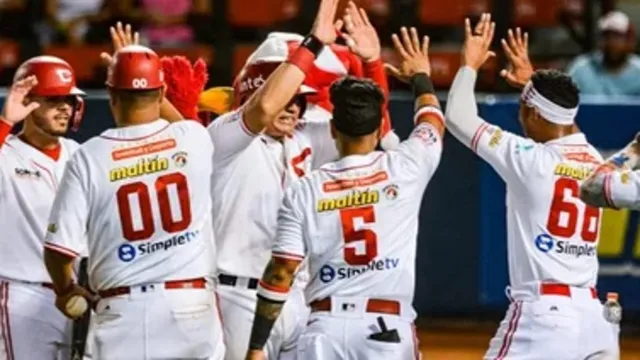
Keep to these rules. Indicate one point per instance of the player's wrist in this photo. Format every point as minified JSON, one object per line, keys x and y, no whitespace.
{"x":422,"y":85}
{"x":4,"y":120}
{"x":309,"y":50}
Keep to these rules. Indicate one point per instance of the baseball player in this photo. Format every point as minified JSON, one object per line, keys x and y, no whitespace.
{"x":616,"y":183}
{"x":45,"y":97}
{"x":139,"y":194}
{"x":355,"y":222}
{"x":260,"y":150}
{"x":552,"y":235}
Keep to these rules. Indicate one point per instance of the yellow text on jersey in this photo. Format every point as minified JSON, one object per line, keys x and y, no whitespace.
{"x":353,"y":199}
{"x":142,"y":167}
{"x":570,"y":171}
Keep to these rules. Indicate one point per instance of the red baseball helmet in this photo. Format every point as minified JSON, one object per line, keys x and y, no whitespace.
{"x":55,"y":78}
{"x":267,"y":57}
{"x":135,"y":67}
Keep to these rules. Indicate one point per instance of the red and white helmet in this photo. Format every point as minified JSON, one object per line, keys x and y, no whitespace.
{"x":55,"y":78}
{"x":262,"y":62}
{"x":135,"y":67}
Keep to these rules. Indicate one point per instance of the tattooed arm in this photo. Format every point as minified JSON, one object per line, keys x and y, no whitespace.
{"x":272,"y":294}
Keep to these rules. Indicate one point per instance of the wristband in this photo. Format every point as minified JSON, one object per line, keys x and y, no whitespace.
{"x":422,"y":85}
{"x":306,"y":54}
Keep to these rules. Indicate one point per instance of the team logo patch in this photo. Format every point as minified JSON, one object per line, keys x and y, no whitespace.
{"x":625,"y":178}
{"x":426,"y":133}
{"x":180,"y":158}
{"x":127,"y":252}
{"x":522,"y":148}
{"x":495,"y":139}
{"x":390,"y":191}
{"x":620,"y":160}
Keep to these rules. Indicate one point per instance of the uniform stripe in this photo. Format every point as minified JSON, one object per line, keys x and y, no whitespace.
{"x":4,"y":320}
{"x":60,"y":249}
{"x":607,"y":191}
{"x":513,"y":326}
{"x":477,"y":136}
{"x":288,"y":256}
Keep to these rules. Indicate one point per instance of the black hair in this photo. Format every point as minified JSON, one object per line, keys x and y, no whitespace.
{"x":557,"y":87}
{"x":357,"y":106}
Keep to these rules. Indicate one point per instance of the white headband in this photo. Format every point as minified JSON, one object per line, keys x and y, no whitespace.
{"x":548,"y":110}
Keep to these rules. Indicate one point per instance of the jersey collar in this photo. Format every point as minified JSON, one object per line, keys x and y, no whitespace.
{"x":135,"y":132}
{"x":353,"y":162}
{"x":573,"y":139}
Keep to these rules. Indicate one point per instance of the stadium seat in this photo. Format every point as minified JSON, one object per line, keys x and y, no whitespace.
{"x":537,"y":12}
{"x":261,"y":13}
{"x":85,"y":60}
{"x":447,"y":12}
{"x":375,"y":8}
{"x":10,"y":54}
{"x":241,"y":53}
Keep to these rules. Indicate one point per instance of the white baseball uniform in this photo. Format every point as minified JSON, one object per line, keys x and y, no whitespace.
{"x":28,"y":182}
{"x":356,"y":221}
{"x":552,"y":237}
{"x":138,"y":198}
{"x":250,"y":175}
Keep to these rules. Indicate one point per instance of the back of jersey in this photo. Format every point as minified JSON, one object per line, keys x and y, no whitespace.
{"x":148,"y":201}
{"x":359,"y":220}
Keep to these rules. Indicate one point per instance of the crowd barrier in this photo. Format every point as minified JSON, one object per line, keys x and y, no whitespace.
{"x":461,"y":265}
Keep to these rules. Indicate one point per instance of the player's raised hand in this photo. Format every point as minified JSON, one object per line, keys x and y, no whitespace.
{"x":15,"y":109}
{"x":475,"y":51}
{"x":120,"y":37}
{"x":362,"y":38}
{"x":324,"y":27}
{"x":516,"y":48}
{"x":413,"y":53}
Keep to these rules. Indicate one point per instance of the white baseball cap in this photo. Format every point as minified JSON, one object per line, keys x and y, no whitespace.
{"x":615,"y":21}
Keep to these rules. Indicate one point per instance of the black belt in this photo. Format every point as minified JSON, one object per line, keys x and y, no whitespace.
{"x":232,"y":280}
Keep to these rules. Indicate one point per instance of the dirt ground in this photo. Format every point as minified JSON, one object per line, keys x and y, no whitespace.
{"x":470,"y":344}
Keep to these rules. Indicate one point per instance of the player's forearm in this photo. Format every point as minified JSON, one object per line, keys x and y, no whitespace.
{"x":426,"y":104}
{"x":60,"y":268}
{"x":592,"y":190}
{"x":273,"y":290}
{"x":462,"y":112}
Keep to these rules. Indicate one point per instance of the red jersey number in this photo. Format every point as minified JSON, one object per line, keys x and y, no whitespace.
{"x":368,"y":236}
{"x":560,"y":206}
{"x":168,"y":220}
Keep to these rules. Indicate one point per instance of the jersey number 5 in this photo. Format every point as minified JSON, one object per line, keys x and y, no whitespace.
{"x":560,"y":206}
{"x":368,"y":236}
{"x":141,"y":191}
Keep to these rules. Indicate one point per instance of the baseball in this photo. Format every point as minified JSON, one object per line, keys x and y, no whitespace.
{"x":76,"y":305}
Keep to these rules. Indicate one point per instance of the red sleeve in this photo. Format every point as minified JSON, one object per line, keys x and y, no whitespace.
{"x":375,"y":71}
{"x":5,"y":130}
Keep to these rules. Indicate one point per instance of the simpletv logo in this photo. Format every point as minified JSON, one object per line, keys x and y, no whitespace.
{"x":128,"y":252}
{"x":545,"y":243}
{"x":330,"y":273}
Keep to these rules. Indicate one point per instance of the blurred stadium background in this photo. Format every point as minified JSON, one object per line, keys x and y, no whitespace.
{"x":461,"y":264}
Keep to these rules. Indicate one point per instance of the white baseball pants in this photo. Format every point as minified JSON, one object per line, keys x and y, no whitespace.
{"x":31,"y":327}
{"x":568,"y":325}
{"x":237,"y":308}
{"x":152,"y":322}
{"x":348,"y":332}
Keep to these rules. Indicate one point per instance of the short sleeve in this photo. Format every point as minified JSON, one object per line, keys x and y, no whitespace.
{"x":290,"y":236}
{"x":230,"y":134}
{"x":323,"y":146}
{"x":622,"y":189}
{"x":66,"y":232}
{"x":512,"y":156}
{"x":420,"y":153}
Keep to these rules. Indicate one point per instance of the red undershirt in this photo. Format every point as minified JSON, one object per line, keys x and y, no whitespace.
{"x":5,"y":130}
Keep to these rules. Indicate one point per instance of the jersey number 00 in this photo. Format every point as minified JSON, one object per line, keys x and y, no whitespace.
{"x":141,"y":190}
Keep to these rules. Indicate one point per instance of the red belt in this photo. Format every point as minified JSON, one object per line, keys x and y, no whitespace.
{"x":379,"y":306}
{"x":199,"y":283}
{"x":562,"y":290}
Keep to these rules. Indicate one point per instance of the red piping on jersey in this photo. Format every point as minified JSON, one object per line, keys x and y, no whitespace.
{"x":273,"y":288}
{"x":353,"y":167}
{"x":61,"y":250}
{"x":4,"y":320}
{"x":53,"y":153}
{"x":513,"y":326}
{"x":288,"y":256}
{"x":5,"y":130}
{"x":477,"y":136}
{"x":607,"y":191}
{"x":138,"y":138}
{"x":54,"y":183}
